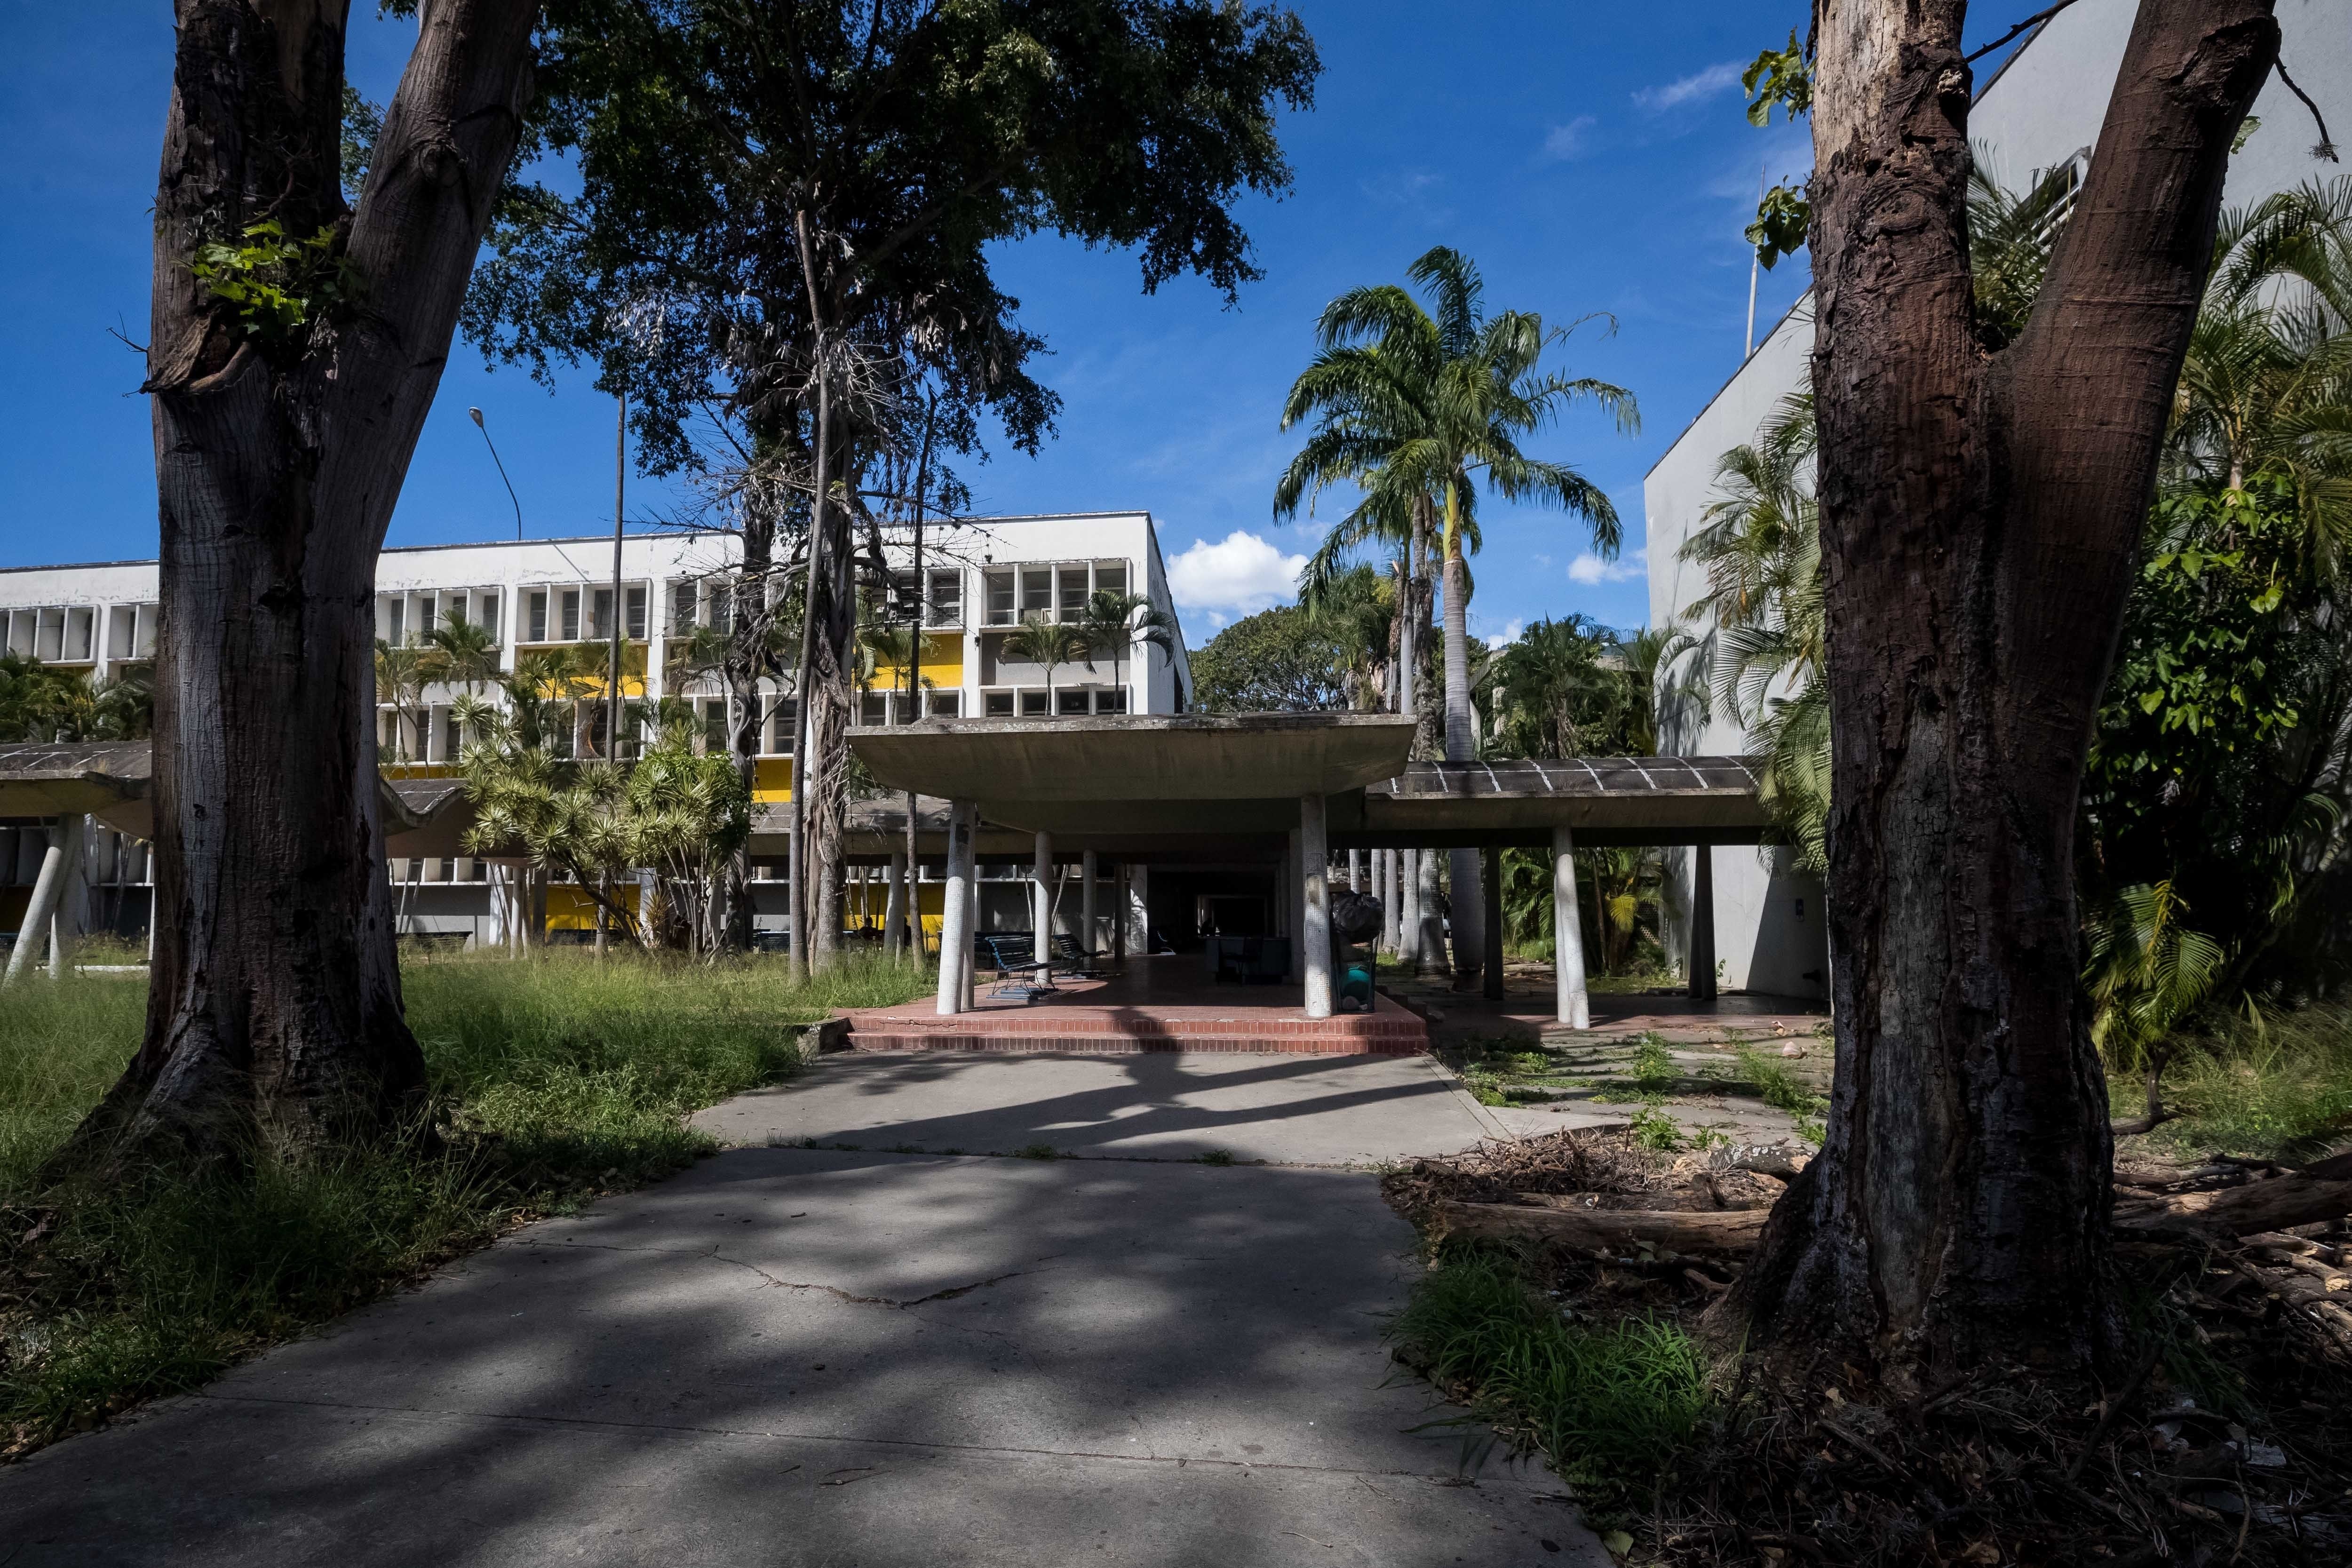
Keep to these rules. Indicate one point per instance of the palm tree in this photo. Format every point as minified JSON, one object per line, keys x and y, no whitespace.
{"x":1760,"y":545}
{"x":1113,"y":623}
{"x":1417,"y":410}
{"x":460,"y":653}
{"x":1050,"y":642}
{"x":402,"y":673}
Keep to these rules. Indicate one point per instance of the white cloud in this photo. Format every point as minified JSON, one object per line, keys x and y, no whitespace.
{"x":1568,"y":140}
{"x":1715,"y":79}
{"x":1590,"y":569}
{"x":1241,"y":573}
{"x":1508,"y":634}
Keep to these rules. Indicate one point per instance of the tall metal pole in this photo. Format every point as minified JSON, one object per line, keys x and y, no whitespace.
{"x":620,"y":611}
{"x":493,"y":446}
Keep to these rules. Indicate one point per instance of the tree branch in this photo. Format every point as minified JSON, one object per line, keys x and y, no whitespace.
{"x":2034,"y":21}
{"x":2326,"y":147}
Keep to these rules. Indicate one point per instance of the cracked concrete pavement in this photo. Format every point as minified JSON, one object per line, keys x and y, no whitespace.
{"x":842,"y":1360}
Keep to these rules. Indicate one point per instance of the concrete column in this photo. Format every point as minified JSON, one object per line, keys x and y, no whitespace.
{"x":1568,"y":935}
{"x":66,"y":921}
{"x":1315,"y":905}
{"x":1293,"y":899}
{"x":1702,"y":932}
{"x":1041,"y":900}
{"x":894,"y":915}
{"x":1355,"y":870}
{"x":1138,"y":912}
{"x":1384,"y":871}
{"x":1490,"y":882}
{"x":48,"y":891}
{"x":955,"y":919}
{"x":1409,"y":907}
{"x":1090,"y":868}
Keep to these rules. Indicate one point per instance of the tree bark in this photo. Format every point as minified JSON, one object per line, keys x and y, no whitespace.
{"x":275,"y":1004}
{"x":1980,"y":514}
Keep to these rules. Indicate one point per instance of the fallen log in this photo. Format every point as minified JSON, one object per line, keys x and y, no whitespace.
{"x":1675,"y":1230}
{"x":1560,"y":1219}
{"x":2279,"y":1204}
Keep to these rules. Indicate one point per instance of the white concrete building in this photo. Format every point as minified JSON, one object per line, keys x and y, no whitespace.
{"x":981,"y":580}
{"x":2041,"y":110}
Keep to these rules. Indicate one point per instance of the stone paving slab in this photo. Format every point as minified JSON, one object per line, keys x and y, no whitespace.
{"x":843,"y":1361}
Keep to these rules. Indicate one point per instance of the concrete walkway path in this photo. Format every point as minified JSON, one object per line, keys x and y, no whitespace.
{"x":790,"y":1356}
{"x":1282,"y":1108}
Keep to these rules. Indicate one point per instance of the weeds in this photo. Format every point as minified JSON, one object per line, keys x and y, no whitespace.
{"x":1213,"y":1157}
{"x":552,"y":1079}
{"x":1607,"y":1405}
{"x":1653,"y":1067}
{"x":1037,"y":1152}
{"x":1654,"y":1130}
{"x":2281,"y":1089}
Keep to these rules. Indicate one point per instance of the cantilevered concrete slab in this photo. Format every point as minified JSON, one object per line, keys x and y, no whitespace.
{"x":1518,"y":803}
{"x":113,"y":781}
{"x":75,"y":778}
{"x":1203,"y":759}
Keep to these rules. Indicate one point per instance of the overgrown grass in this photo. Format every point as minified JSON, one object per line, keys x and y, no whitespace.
{"x":553,"y":1079}
{"x":1778,"y":1087}
{"x":2280,"y":1089}
{"x":1609,"y":1406}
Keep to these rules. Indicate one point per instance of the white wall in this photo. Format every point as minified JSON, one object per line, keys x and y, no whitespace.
{"x":2046,"y":105}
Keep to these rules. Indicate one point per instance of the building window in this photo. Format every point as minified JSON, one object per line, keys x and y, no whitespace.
{"x":1072,"y":593}
{"x":719,"y":598}
{"x":536,"y":603}
{"x":681,"y":609}
{"x":601,"y":614}
{"x":1036,"y":592}
{"x":945,"y":607}
{"x":1079,"y":702}
{"x":1110,"y":576}
{"x":637,"y":601}
{"x":396,"y":621}
{"x":874,"y":710}
{"x":486,"y":614}
{"x":571,"y":610}
{"x":1000,"y":704}
{"x":1003,"y":605}
{"x":1111,"y":701}
{"x":946,"y":704}
{"x":1033,"y":705}
{"x":453,"y":738}
{"x":714,"y":724}
{"x":783,"y":726}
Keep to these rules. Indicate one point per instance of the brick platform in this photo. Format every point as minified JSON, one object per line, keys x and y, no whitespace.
{"x":1158,"y":1004}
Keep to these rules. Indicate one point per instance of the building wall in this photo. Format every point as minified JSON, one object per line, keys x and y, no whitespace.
{"x":495,"y":584}
{"x":2043,"y":109}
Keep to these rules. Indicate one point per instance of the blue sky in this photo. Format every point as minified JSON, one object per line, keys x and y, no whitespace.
{"x":1589,"y":159}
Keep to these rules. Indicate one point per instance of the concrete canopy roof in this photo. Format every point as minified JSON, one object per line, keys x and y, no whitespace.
{"x":111,"y":780}
{"x":1121,"y":772}
{"x":1601,"y":800}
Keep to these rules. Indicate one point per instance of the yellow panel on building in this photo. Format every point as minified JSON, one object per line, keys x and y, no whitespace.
{"x":942,"y":663}
{"x":568,"y":907}
{"x":864,"y":905}
{"x":772,"y":781}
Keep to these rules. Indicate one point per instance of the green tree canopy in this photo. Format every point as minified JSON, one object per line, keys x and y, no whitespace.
{"x":1276,"y":661}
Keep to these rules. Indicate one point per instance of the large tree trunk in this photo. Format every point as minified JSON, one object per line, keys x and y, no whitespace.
{"x":275,"y":1005}
{"x":1980,"y":514}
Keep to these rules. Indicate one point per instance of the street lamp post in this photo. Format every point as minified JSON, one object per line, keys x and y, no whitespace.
{"x":493,"y":446}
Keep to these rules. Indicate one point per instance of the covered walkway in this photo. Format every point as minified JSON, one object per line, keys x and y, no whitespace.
{"x":1283,"y":793}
